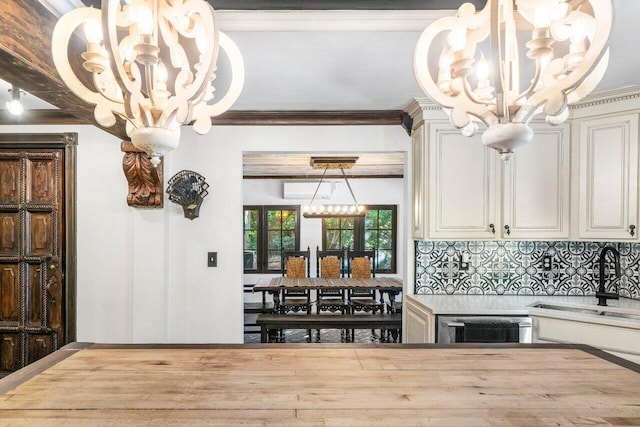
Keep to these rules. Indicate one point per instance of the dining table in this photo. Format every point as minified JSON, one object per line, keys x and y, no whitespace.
{"x":391,"y":286}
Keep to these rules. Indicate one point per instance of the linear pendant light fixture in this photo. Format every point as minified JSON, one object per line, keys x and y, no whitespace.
{"x":333,"y":211}
{"x":478,"y":74}
{"x":153,"y":64}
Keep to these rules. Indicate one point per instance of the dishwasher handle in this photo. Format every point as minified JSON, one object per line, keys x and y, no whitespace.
{"x":461,"y":325}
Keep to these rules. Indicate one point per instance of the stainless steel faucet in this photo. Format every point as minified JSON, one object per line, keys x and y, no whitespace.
{"x":602,"y":294}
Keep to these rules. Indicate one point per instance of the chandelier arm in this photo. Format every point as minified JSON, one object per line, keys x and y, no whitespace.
{"x":556,"y":89}
{"x":496,"y":56}
{"x":320,"y":183}
{"x":102,"y":92}
{"x":202,"y":112}
{"x":421,"y":60}
{"x":468,"y":92}
{"x":590,"y":83}
{"x":534,"y":82}
{"x":106,"y":110}
{"x":344,"y":175}
{"x":149,"y":85}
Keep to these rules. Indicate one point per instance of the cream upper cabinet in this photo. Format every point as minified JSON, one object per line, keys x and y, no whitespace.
{"x":608,"y":178}
{"x":462,"y":186}
{"x":474,"y":195}
{"x":536,"y":187}
{"x":419,"y":168}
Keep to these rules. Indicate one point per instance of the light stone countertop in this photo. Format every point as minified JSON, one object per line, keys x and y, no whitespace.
{"x":504,"y":304}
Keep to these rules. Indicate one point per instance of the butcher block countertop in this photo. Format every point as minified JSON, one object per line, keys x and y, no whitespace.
{"x":324,"y":385}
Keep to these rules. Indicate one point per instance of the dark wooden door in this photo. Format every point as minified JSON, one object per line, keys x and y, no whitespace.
{"x":31,"y":249}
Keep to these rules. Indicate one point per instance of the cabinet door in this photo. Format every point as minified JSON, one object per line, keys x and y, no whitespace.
{"x":536,"y":187}
{"x":608,"y":175}
{"x":462,"y":186}
{"x":419,"y":164}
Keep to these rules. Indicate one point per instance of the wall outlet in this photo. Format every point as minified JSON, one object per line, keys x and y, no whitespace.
{"x":464,"y":262}
{"x":546,"y":263}
{"x":212,"y":259}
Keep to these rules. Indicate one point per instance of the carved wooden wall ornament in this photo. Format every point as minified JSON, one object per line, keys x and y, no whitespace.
{"x":145,"y":181}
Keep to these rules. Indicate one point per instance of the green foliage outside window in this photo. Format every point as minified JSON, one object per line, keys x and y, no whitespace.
{"x":375,"y":230}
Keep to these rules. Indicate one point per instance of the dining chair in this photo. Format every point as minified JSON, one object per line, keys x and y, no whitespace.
{"x":329,"y":265}
{"x":295,"y":264}
{"x":362,"y":265}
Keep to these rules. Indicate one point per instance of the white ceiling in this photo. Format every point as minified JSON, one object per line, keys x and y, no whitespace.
{"x":307,"y":67}
{"x":344,"y":60}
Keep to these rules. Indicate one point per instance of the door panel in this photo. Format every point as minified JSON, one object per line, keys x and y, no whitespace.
{"x":10,"y":352}
{"x":31,"y":253}
{"x":42,"y":181}
{"x":608,"y":207}
{"x":9,"y":233}
{"x":39,"y":345}
{"x":40,"y":233}
{"x":35,"y":295}
{"x":9,"y":180}
{"x":462,"y":180}
{"x":9,"y":294}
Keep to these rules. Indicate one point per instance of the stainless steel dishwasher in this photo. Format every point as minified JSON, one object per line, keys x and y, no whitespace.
{"x":490,"y":329}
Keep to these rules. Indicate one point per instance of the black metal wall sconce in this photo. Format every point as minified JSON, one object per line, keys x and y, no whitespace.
{"x":188,"y":189}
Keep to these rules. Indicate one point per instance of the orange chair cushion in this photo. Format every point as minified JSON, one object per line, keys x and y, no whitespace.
{"x":330,"y":267}
{"x":296,"y":268}
{"x":360,"y":268}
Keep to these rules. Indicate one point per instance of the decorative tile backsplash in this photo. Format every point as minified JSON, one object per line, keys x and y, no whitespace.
{"x":516,"y":268}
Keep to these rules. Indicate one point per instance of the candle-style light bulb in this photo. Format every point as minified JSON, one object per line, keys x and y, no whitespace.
{"x":144,"y":18}
{"x":162,"y":74}
{"x":457,"y":37}
{"x":578,"y":31}
{"x":93,"y":31}
{"x":482,"y":70}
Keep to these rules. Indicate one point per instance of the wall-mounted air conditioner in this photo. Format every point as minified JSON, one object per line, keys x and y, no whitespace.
{"x":305,"y":189}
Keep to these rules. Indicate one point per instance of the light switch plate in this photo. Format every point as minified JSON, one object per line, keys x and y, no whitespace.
{"x":212,"y":259}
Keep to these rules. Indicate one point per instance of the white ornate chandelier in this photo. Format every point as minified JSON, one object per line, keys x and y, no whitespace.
{"x":567,"y":49}
{"x":153,"y":64}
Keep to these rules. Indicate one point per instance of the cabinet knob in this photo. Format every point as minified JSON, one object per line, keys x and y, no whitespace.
{"x":507,"y":230}
{"x":492,"y":228}
{"x":632,"y":230}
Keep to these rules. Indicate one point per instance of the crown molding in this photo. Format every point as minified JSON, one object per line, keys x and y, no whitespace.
{"x":606,"y":97}
{"x":328,"y":20}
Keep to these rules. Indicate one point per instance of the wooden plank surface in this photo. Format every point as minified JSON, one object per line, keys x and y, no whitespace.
{"x":339,"y":385}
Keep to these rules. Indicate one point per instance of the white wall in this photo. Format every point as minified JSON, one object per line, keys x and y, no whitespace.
{"x":142,"y":274}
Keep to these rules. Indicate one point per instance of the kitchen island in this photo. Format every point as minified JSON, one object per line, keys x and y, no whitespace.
{"x":329,"y":385}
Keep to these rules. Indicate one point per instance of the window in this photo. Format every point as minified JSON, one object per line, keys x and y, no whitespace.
{"x":376,"y":230}
{"x":268,"y":230}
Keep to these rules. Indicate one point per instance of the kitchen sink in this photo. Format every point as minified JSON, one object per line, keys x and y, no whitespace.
{"x":635,"y":316}
{"x":593,"y":310}
{"x":606,"y":327}
{"x":572,"y":309}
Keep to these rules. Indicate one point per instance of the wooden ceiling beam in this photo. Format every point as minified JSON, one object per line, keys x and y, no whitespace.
{"x":308,"y":118}
{"x":240,"y":118}
{"x":333,"y":4}
{"x":26,"y":61}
